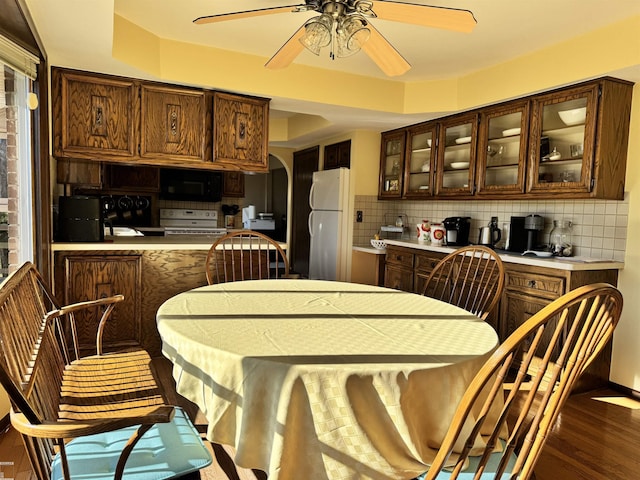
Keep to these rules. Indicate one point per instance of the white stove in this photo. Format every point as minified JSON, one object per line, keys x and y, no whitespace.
{"x":181,"y":221}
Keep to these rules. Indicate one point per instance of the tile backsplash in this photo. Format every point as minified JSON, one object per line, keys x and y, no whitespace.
{"x":599,"y":226}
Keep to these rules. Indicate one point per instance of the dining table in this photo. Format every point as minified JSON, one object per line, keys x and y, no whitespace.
{"x":323,"y":380}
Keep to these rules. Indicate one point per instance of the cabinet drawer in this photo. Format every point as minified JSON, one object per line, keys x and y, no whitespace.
{"x":427,"y":262}
{"x":535,"y":284}
{"x":399,"y":256}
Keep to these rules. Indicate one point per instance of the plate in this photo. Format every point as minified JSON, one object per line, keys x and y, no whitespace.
{"x":463,"y":140}
{"x":537,"y":253}
{"x":511,"y":131}
{"x":459,"y":165}
{"x":423,"y":187}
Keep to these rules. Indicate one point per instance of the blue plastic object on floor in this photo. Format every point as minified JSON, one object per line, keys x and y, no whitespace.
{"x":166,"y":451}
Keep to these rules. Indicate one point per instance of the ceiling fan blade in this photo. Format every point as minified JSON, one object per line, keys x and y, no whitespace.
{"x":246,"y":14}
{"x":447,"y":18}
{"x":287,"y":52}
{"x":384,"y":54}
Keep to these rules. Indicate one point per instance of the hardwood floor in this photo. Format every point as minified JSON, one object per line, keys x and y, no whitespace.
{"x":594,"y":439}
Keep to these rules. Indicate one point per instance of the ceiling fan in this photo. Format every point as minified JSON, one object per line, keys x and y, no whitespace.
{"x":344,"y":25}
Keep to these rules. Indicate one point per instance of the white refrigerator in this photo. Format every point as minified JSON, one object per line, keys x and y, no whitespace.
{"x":329,"y":225}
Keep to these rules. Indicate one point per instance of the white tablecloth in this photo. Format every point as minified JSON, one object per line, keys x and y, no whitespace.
{"x":323,"y":380}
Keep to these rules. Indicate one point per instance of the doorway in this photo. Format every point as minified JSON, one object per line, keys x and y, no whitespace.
{"x":305,"y":162}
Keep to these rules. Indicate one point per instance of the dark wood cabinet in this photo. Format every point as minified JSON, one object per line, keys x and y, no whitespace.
{"x":103,"y":118}
{"x":125,"y":177}
{"x":337,"y":155}
{"x":240,"y":132}
{"x":521,"y":149}
{"x":392,"y":164}
{"x":398,"y":271}
{"x":456,"y":156}
{"x":502,"y":149}
{"x":81,"y":277}
{"x":94,"y":116}
{"x":419,"y":163}
{"x":578,"y":141}
{"x":172,"y":123}
{"x":233,"y":184}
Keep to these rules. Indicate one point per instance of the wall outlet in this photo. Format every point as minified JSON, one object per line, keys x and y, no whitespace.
{"x":359,"y":216}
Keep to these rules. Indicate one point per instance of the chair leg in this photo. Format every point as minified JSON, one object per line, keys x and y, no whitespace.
{"x":128,"y":448}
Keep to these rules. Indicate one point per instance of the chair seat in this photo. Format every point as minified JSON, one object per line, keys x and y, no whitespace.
{"x":472,"y":468}
{"x":167,"y":450}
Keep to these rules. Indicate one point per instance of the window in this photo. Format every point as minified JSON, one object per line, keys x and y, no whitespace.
{"x":16,"y":191}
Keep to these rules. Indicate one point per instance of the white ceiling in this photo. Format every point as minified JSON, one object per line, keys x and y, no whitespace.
{"x":78,"y":33}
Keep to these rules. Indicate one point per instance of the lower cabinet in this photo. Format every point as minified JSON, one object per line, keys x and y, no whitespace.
{"x":80,"y":278}
{"x":367,"y":268}
{"x":146,"y":278}
{"x":398,"y":271}
{"x":527,"y":290}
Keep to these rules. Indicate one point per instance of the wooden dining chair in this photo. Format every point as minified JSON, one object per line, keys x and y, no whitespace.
{"x":93,"y":417}
{"x":503,"y":419}
{"x":470,"y":277}
{"x":245,"y":255}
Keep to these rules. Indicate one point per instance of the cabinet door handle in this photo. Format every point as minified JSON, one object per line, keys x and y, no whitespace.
{"x":532,"y":283}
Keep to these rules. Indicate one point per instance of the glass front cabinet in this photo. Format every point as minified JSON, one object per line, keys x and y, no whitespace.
{"x":562,"y":132}
{"x":502,"y":146}
{"x":419,"y":161}
{"x":456,"y":156}
{"x":567,"y":143}
{"x":392,"y":164}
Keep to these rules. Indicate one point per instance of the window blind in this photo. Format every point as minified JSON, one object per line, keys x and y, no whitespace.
{"x":18,"y":58}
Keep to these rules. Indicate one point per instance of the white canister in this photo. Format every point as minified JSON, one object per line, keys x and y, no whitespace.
{"x":424,"y":231}
{"x":437,"y":234}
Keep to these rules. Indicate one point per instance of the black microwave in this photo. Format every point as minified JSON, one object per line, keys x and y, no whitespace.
{"x":190,"y":185}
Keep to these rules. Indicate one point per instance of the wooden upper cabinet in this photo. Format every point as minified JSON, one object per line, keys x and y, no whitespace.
{"x":392,"y":164}
{"x":172,"y":123}
{"x":233,"y":184}
{"x":502,"y":149}
{"x":567,"y":143}
{"x":94,"y":116}
{"x":337,"y":155}
{"x":419,"y":161}
{"x":456,"y":157}
{"x":578,"y":141}
{"x":240,"y":132}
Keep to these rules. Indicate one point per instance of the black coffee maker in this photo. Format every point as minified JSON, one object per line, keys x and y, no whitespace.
{"x":457,"y":230}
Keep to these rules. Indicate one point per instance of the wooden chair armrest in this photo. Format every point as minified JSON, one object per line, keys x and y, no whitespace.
{"x":73,"y":429}
{"x":71,"y":309}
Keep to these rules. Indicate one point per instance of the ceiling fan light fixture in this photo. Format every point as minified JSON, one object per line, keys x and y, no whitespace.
{"x":352,"y":33}
{"x":317,"y":33}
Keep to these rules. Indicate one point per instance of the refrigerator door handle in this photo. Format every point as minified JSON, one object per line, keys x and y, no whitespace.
{"x":309,"y":224}
{"x":313,"y":186}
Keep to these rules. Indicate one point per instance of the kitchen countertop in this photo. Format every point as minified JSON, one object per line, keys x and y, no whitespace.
{"x":566,"y":263}
{"x":171,"y":242}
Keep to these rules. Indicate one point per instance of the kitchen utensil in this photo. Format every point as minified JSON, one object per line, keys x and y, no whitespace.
{"x":459,"y":165}
{"x":457,"y":230}
{"x":378,"y":244}
{"x":533,"y":224}
{"x":437,"y":234}
{"x":576,"y":150}
{"x":574,"y":116}
{"x":489,"y":236}
{"x":424,"y":231}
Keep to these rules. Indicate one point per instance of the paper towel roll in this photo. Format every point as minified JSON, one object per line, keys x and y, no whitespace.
{"x":249,"y":213}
